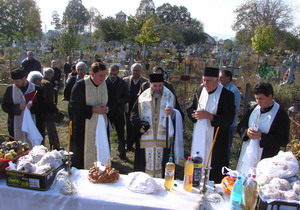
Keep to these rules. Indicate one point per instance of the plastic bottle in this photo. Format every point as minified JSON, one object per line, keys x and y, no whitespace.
{"x":188,"y":175}
{"x":197,"y":160}
{"x":169,"y":174}
{"x":236,"y":197}
{"x":250,"y":193}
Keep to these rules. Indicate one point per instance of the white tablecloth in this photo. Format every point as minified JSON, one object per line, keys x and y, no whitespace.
{"x":96,"y":196}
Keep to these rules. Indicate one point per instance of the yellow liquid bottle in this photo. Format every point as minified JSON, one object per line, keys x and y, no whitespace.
{"x":188,"y":175}
{"x":169,"y":174}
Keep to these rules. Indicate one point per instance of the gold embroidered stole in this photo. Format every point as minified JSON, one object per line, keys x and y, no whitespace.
{"x":94,"y":96}
{"x":154,"y":140}
{"x":18,"y":98}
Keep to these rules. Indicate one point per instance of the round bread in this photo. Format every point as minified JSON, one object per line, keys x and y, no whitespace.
{"x":109,"y":175}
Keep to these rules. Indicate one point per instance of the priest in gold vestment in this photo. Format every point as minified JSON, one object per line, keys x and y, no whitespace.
{"x":88,"y":101}
{"x":149,"y":116}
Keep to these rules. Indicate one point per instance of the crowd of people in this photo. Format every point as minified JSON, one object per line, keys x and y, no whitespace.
{"x":145,"y":114}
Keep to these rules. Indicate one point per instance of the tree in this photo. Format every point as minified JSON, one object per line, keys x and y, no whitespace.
{"x":148,"y":34}
{"x":254,"y":13}
{"x":263,"y":38}
{"x":56,"y":20}
{"x":171,"y":14}
{"x":176,"y":25}
{"x":76,"y":14}
{"x":146,"y":8}
{"x":68,"y":40}
{"x":288,"y":41}
{"x":20,"y":19}
{"x":134,"y":26}
{"x":263,"y":41}
{"x":110,"y":29}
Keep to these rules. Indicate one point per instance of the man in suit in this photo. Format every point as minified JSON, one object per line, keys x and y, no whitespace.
{"x":134,"y":83}
{"x":118,"y":96}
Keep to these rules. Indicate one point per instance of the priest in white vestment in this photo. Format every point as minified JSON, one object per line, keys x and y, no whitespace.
{"x":149,"y":115}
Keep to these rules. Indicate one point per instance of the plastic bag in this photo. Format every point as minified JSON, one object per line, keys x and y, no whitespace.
{"x":140,"y":182}
{"x":283,"y":165}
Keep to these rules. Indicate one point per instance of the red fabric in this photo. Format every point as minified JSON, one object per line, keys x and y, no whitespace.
{"x":30,"y":96}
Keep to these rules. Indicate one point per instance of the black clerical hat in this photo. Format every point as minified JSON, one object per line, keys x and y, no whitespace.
{"x":17,"y":73}
{"x":211,"y":72}
{"x":156,"y":77}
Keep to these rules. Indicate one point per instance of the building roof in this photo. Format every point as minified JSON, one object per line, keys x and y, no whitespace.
{"x":121,"y":13}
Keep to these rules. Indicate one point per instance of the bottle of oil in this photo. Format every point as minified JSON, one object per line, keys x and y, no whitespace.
{"x":169,"y":174}
{"x":188,"y":175}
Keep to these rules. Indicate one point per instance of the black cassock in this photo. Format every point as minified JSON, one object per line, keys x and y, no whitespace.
{"x":80,"y":112}
{"x":277,"y":137}
{"x":223,"y":119}
{"x":12,"y":109}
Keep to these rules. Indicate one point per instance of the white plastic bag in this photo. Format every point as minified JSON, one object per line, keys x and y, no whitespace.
{"x":283,"y":165}
{"x":141,"y":182}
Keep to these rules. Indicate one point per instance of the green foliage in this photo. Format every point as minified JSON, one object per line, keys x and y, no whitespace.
{"x":253,"y":13}
{"x":192,"y":36}
{"x":288,"y":41}
{"x":146,"y":8}
{"x":267,"y":72}
{"x":263,"y":38}
{"x":134,"y":26}
{"x":76,"y":14}
{"x":68,"y":40}
{"x":171,"y":14}
{"x":110,"y":29}
{"x":148,"y":34}
{"x":176,"y":25}
{"x":20,"y":19}
{"x":56,"y":20}
{"x":287,"y":94}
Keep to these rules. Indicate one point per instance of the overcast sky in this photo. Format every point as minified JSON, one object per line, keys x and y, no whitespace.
{"x":216,"y":15}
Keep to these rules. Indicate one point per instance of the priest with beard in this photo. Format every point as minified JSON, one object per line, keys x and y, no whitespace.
{"x":16,"y":99}
{"x":88,"y":101}
{"x":212,"y":107}
{"x":149,"y":115}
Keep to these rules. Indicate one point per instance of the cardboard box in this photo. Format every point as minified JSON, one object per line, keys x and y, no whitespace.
{"x":31,"y":181}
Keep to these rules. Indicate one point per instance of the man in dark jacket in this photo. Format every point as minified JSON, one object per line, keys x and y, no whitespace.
{"x":81,"y":69}
{"x":49,"y":108}
{"x":55,"y":80}
{"x":118,"y":96}
{"x":31,"y":64}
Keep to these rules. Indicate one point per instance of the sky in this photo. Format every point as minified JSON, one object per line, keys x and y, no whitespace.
{"x":216,"y":15}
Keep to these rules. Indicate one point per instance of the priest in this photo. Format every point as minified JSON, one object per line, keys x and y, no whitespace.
{"x":149,"y":115}
{"x":212,"y":107}
{"x":16,"y":99}
{"x":89,"y":141}
{"x":263,"y":129}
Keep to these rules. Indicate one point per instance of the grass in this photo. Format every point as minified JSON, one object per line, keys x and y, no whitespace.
{"x":123,"y":167}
